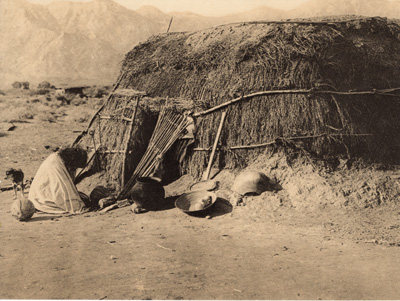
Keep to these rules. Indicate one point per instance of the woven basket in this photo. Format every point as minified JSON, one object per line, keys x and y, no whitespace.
{"x":188,"y":201}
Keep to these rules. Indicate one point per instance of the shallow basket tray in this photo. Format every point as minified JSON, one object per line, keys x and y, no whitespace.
{"x":184,"y":201}
{"x":204,"y":185}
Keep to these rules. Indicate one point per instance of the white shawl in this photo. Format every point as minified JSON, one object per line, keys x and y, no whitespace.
{"x":53,"y":190}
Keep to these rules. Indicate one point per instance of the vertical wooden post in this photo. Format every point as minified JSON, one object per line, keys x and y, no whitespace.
{"x":170,"y":22}
{"x":130,"y":129}
{"x":210,"y":162}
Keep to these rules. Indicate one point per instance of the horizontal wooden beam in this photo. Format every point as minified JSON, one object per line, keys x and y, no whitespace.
{"x":128,"y":92}
{"x":116,"y":118}
{"x":109,"y":151}
{"x":277,"y":139}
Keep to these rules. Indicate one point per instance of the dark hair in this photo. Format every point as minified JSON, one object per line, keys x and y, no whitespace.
{"x":74,"y":157}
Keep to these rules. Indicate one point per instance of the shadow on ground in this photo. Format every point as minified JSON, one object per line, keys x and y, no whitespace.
{"x":40,"y":218}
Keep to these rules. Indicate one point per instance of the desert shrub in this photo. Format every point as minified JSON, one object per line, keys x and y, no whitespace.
{"x":17,"y":109}
{"x":45,"y":85}
{"x":21,"y":85}
{"x":2,"y":92}
{"x":2,"y":134}
{"x":79,"y":115}
{"x":96,"y":92}
{"x":20,"y":114}
{"x":65,"y":99}
{"x":16,"y":85}
{"x":26,"y":115}
{"x":58,"y":112}
{"x":77,"y":101}
{"x":40,"y":92}
{"x":47,"y":116}
{"x":95,"y":103}
{"x":57,"y":103}
{"x":39,"y":99}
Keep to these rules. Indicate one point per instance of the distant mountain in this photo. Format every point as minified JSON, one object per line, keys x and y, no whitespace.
{"x":259,"y":13}
{"x":383,"y":8}
{"x":67,"y":41}
{"x":84,"y":42}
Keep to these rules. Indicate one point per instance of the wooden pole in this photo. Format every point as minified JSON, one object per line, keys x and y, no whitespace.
{"x":206,"y":149}
{"x":384,"y":92}
{"x":210,"y":162}
{"x":170,"y":22}
{"x":91,"y":133}
{"x":125,"y":152}
{"x":78,"y":139}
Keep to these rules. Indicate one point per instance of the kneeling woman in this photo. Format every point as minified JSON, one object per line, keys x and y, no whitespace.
{"x":53,"y":189}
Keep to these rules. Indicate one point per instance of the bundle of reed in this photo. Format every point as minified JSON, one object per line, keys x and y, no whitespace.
{"x":170,"y":126}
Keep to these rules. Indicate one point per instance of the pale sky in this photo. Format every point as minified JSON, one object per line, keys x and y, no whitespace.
{"x":202,"y":7}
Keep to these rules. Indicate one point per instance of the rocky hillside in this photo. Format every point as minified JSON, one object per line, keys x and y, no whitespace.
{"x":67,"y":41}
{"x":73,"y":42}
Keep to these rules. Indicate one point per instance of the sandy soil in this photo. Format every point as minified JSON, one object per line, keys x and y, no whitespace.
{"x":323,"y":236}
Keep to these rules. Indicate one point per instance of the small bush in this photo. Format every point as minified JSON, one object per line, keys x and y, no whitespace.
{"x":95,"y":103}
{"x":79,"y":115}
{"x":20,"y":114}
{"x":56,"y":104}
{"x":18,"y":110}
{"x":45,"y":85}
{"x":21,"y":85}
{"x":40,"y":92}
{"x":47,"y":117}
{"x":78,"y":101}
{"x":16,"y":85}
{"x":96,"y":92}
{"x":85,"y":117}
{"x":2,"y":134}
{"x":59,"y":113}
{"x":65,"y":99}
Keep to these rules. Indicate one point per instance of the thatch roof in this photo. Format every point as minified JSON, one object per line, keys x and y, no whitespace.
{"x":236,"y":59}
{"x":212,"y":66}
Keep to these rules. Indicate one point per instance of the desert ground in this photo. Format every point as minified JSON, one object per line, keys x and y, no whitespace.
{"x":324,"y":235}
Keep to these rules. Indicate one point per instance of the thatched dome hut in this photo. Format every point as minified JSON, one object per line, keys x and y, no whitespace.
{"x":326,"y":88}
{"x":305,"y":60}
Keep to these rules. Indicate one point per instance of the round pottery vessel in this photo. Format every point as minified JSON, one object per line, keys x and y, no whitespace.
{"x":147,"y":193}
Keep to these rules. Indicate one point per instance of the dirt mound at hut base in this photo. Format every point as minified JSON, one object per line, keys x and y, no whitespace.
{"x":355,"y":202}
{"x":306,"y":186}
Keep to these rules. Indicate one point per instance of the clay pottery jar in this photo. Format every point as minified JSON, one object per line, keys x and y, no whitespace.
{"x":147,"y":193}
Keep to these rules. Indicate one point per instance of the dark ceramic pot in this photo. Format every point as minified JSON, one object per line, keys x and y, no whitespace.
{"x":147,"y":193}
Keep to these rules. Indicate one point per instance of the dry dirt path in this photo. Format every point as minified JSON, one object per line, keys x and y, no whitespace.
{"x":169,"y":255}
{"x":282,"y":254}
